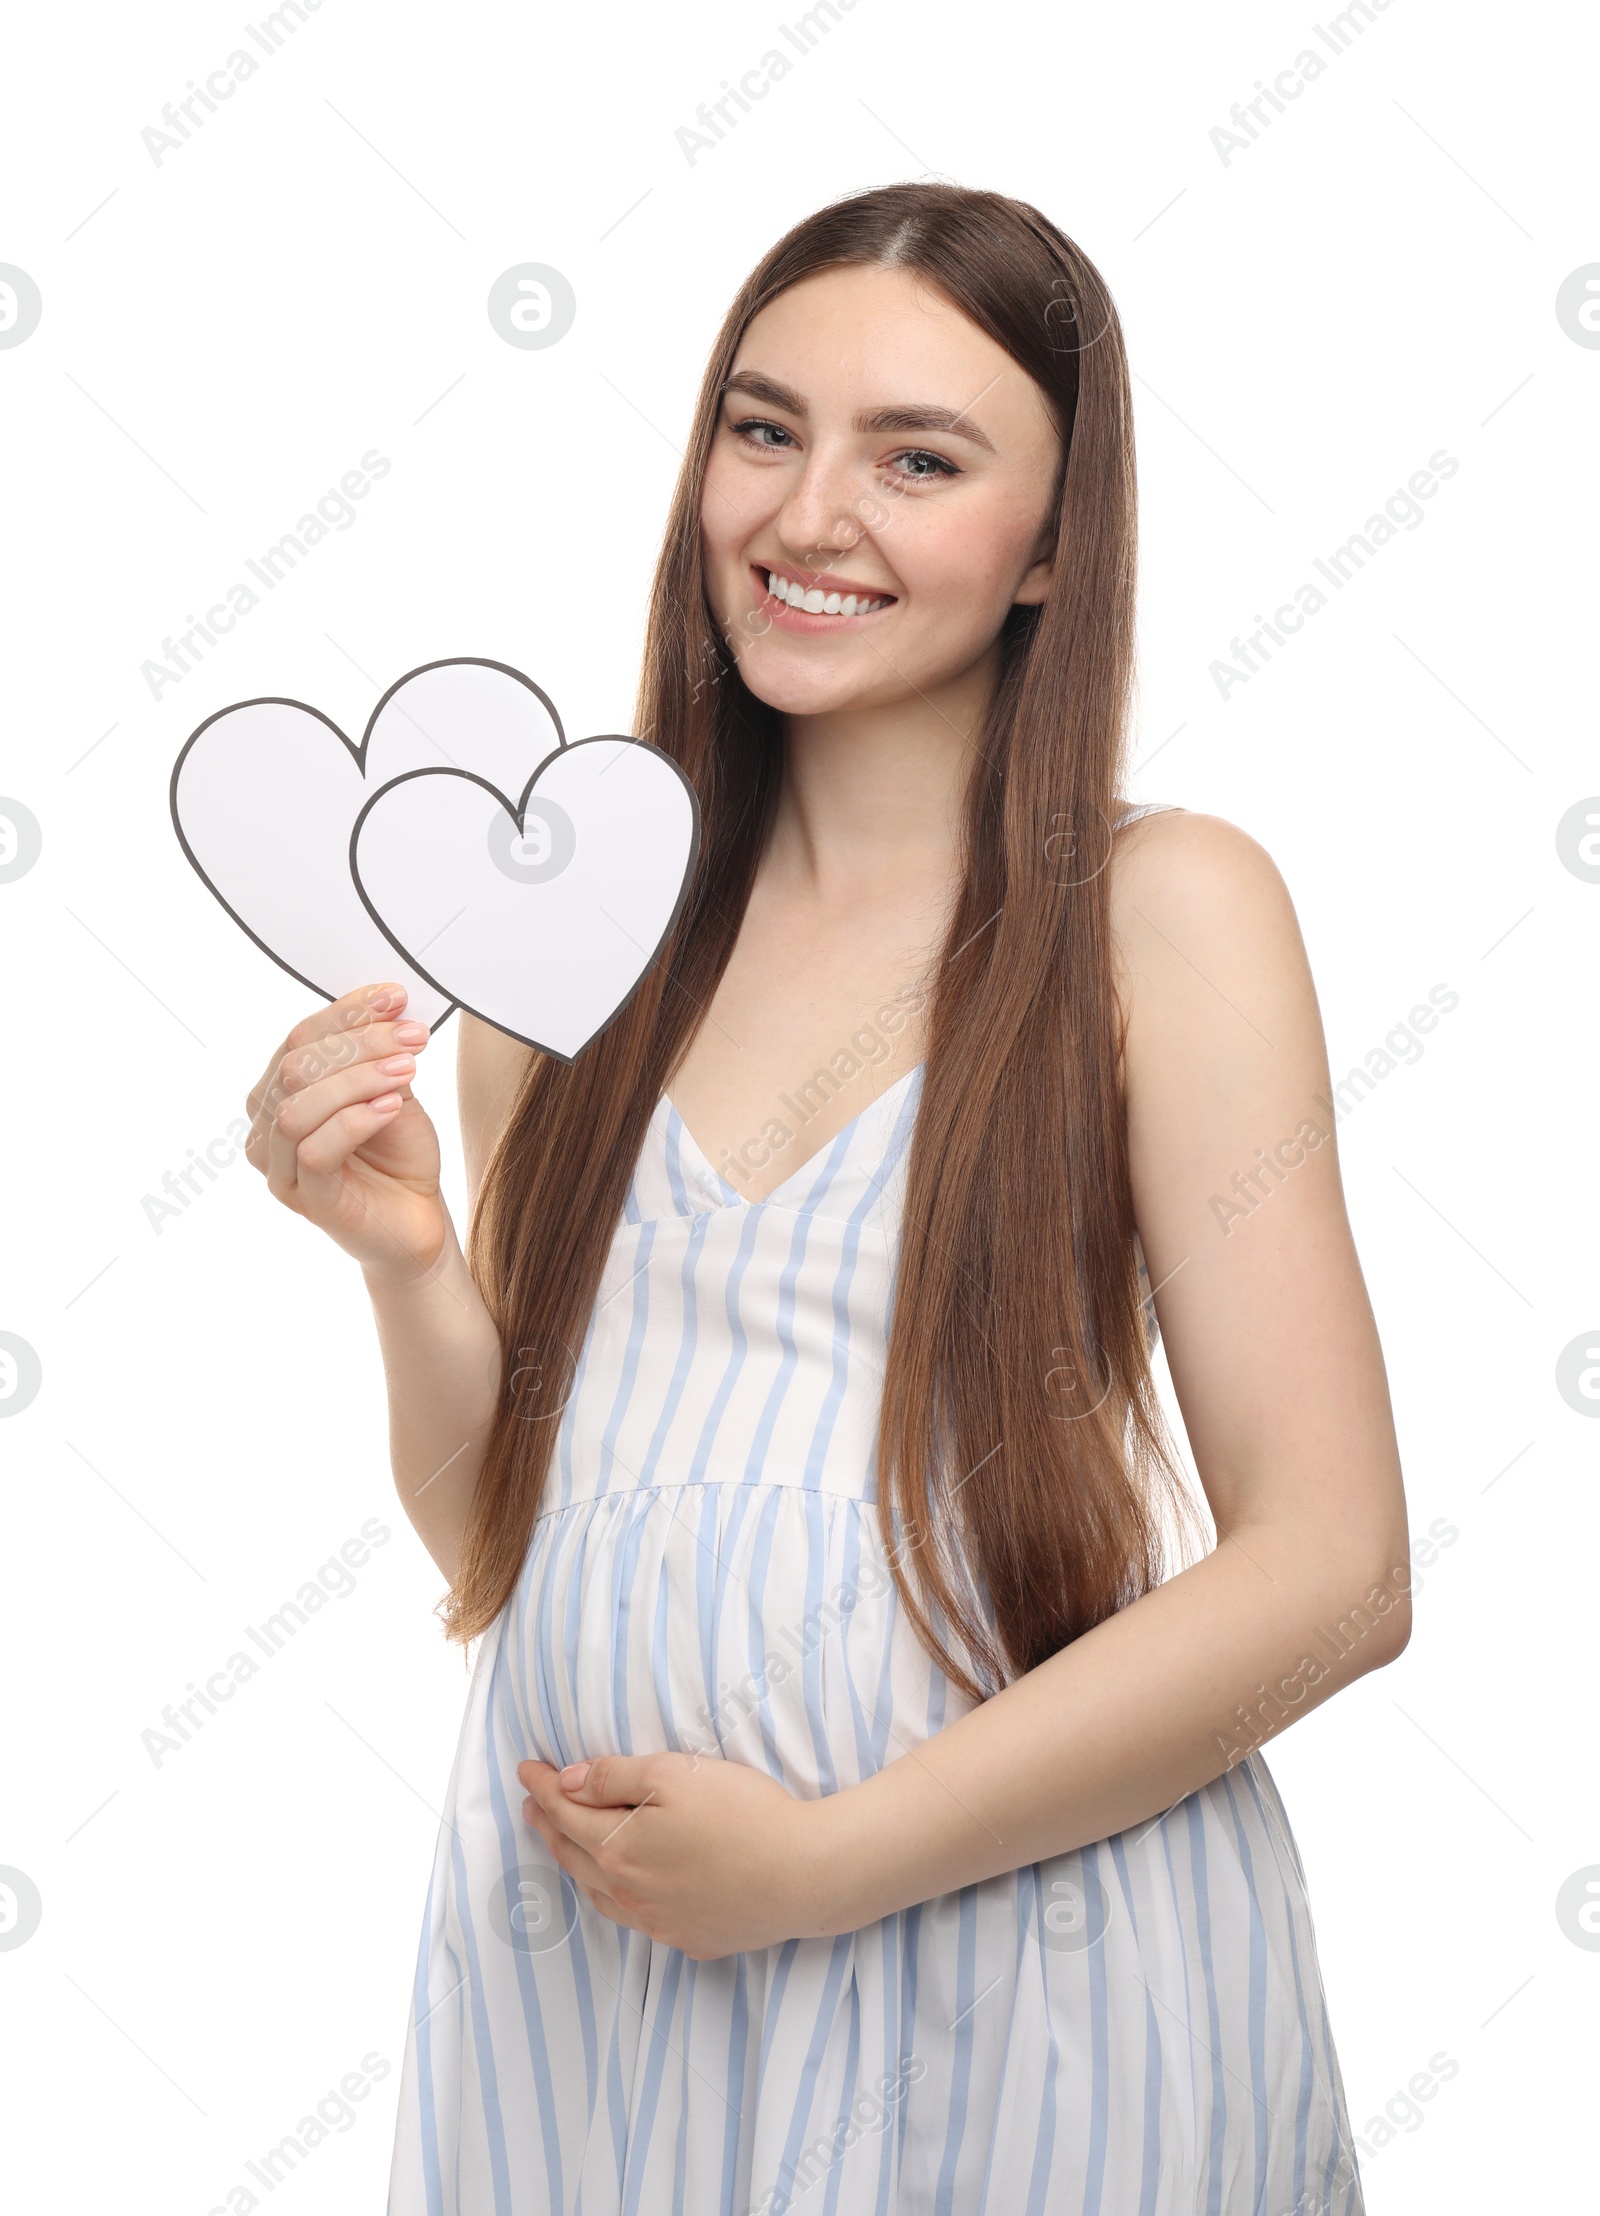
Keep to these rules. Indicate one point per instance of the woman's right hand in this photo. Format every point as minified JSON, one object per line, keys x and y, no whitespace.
{"x":342,"y":1141}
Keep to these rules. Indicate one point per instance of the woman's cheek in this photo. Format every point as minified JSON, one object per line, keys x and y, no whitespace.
{"x":961,"y":609}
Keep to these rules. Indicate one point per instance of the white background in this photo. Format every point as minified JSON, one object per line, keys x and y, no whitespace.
{"x":224,"y":335}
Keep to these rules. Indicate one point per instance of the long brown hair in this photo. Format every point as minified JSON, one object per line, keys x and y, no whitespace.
{"x":1022,"y":1454}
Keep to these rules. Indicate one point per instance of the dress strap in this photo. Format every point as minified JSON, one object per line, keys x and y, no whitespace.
{"x":1147,"y":808}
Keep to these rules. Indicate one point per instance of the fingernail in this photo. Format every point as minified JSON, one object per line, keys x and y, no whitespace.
{"x":410,"y":1034}
{"x":574,"y":1774}
{"x":385,"y":996}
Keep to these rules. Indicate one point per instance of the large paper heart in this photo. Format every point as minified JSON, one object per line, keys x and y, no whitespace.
{"x":539,"y":912}
{"x":265,"y":795}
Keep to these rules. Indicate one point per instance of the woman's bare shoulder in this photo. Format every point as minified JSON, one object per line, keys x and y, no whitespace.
{"x":1193,"y":897}
{"x":490,"y":1069}
{"x":1181,"y":856}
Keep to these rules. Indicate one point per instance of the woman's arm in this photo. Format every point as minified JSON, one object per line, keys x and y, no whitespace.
{"x":1276,"y":1364}
{"x":441,"y":1353}
{"x":1277,"y":1368}
{"x":442,"y":1366}
{"x":342,"y":1140}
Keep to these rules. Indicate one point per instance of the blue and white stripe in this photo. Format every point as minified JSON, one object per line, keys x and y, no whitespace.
{"x":1134,"y":2029}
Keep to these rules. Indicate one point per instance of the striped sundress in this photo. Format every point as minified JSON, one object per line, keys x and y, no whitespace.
{"x":1136,"y":2028}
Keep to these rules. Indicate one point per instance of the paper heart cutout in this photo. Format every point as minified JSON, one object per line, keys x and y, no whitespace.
{"x":540,"y":913}
{"x":265,"y":795}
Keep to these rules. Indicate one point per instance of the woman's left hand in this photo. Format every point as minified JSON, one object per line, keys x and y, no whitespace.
{"x":700,"y":1853}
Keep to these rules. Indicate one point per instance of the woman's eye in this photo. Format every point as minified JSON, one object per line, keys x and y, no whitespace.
{"x":754,"y":425}
{"x":906,"y":465}
{"x":914,"y":465}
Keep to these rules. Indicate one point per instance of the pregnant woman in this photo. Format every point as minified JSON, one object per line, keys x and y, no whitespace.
{"x":860,"y":1804}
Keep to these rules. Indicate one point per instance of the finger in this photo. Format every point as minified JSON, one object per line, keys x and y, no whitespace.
{"x":295,"y":1166}
{"x":353,"y":1012}
{"x":614,"y":1909}
{"x":579,"y":1864}
{"x":305,"y":1068}
{"x":350,"y":1012}
{"x":564,"y":1817}
{"x":544,"y":1794}
{"x":614,"y":1781}
{"x":538,"y":1780}
{"x":577,"y":1861}
{"x":592,"y":1830}
{"x":301,"y":1114}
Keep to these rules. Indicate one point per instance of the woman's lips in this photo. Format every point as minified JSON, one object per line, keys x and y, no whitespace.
{"x":799,"y":621}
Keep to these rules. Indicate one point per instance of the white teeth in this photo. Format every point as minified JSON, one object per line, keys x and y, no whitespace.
{"x":816,"y":602}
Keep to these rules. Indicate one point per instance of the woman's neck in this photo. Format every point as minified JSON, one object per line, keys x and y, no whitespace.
{"x":873,"y":796}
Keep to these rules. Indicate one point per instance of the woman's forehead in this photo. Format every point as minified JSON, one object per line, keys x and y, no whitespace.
{"x":866,"y":339}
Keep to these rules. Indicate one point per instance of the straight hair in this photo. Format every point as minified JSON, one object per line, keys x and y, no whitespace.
{"x":1023,"y":1461}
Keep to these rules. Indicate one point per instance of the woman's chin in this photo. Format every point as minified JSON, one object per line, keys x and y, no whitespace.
{"x":792,"y":691}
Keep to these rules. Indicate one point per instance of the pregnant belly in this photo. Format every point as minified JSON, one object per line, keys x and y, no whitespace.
{"x":759,"y":1622}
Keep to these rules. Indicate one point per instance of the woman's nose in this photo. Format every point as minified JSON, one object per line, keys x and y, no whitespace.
{"x":823,"y":514}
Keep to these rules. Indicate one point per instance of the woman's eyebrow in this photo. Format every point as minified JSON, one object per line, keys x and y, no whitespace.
{"x":918,"y":418}
{"x":906,"y":417}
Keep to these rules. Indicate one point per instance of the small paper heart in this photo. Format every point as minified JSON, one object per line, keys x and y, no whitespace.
{"x":539,"y":911}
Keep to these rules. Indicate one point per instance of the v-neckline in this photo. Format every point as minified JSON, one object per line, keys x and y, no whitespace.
{"x":732,"y":1196}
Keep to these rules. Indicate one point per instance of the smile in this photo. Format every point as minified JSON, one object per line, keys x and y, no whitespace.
{"x":826,"y":598}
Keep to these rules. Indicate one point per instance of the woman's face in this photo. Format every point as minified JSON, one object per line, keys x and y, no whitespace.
{"x":884,"y":459}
